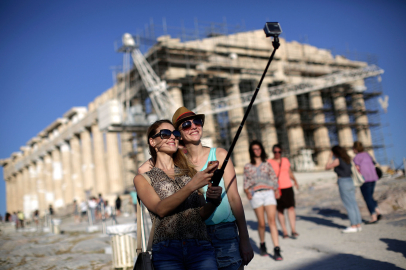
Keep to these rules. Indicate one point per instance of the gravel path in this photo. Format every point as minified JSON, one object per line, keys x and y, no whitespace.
{"x":321,"y":245}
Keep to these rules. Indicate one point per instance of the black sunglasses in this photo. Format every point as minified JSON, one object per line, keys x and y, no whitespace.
{"x":277,"y":152}
{"x":166,"y":134}
{"x":188,"y":124}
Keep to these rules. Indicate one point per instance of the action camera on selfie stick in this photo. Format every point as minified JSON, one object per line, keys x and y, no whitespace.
{"x":271,"y":29}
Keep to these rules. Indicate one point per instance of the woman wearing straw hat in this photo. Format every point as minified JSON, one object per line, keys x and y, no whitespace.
{"x":227,"y":227}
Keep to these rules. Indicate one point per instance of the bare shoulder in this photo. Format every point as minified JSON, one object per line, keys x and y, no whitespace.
{"x":221,"y":153}
{"x":145,"y":167}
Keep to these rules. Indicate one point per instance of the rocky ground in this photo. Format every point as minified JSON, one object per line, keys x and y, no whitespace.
{"x":321,"y":245}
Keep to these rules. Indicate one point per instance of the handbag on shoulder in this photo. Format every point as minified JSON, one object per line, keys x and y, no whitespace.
{"x":356,"y":176}
{"x":144,"y":258}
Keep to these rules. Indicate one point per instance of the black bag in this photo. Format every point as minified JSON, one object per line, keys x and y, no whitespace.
{"x":144,"y":262}
{"x":378,"y":172}
{"x":144,"y":258}
{"x":377,"y":169}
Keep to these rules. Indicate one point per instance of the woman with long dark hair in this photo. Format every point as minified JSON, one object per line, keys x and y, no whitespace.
{"x":261,"y":188}
{"x":365,"y":165}
{"x":342,"y":167}
{"x":281,"y":166}
{"x":180,"y":239}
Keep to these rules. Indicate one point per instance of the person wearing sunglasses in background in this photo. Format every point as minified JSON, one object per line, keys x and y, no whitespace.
{"x":180,"y":239}
{"x":227,"y":227}
{"x":281,"y":166}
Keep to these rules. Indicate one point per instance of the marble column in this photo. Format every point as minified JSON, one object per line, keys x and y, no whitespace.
{"x":87,"y":162}
{"x":114,"y":164}
{"x":203,"y":96}
{"x":57,"y":178}
{"x":67,"y":186}
{"x":321,"y":138}
{"x":361,"y":118}
{"x":76,"y":160}
{"x":33,"y":187}
{"x":101,"y":180}
{"x":49,"y":184}
{"x":345,"y":138}
{"x":128,"y":157}
{"x":235,"y":116}
{"x":20,"y":191}
{"x":176,"y":93}
{"x":266,"y":118}
{"x":7,"y":183}
{"x":26,"y":192}
{"x":42,"y":202}
{"x":294,"y":129}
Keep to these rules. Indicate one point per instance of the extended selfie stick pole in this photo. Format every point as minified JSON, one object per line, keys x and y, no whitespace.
{"x":218,"y":174}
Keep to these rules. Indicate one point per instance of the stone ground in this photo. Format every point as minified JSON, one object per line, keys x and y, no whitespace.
{"x":321,"y":245}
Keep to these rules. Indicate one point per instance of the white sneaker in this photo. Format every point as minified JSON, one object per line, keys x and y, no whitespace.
{"x":350,"y":230}
{"x":359,"y":229}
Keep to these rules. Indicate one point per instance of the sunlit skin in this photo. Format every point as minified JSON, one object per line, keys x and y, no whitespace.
{"x":198,"y":155}
{"x":270,"y":210}
{"x":277,"y":152}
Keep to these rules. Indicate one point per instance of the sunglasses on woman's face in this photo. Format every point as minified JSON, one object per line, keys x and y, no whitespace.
{"x":166,"y":134}
{"x":277,"y":152}
{"x":188,"y":124}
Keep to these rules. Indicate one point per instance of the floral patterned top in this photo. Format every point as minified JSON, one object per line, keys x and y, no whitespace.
{"x":259,"y":178}
{"x":185,"y":221}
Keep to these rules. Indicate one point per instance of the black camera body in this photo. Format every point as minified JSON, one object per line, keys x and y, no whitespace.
{"x":272,"y":29}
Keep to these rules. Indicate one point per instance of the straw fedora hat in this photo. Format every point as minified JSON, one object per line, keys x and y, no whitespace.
{"x":183,"y":114}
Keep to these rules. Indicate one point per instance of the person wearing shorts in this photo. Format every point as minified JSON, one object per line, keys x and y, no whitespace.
{"x":261,"y":188}
{"x":281,"y":166}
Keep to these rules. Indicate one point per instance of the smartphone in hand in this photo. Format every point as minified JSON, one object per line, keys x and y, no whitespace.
{"x":214,"y":162}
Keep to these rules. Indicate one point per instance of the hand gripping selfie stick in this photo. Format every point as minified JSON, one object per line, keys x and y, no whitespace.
{"x":271,"y":29}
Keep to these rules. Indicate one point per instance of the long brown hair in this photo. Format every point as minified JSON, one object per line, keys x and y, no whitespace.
{"x":179,"y":158}
{"x":340,"y":152}
{"x":264,"y":156}
{"x":358,"y":146}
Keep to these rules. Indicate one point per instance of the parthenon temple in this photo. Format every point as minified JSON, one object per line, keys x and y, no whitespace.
{"x":309,"y":101}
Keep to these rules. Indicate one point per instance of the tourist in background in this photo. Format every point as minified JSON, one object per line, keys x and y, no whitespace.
{"x":118,"y":205}
{"x":51,"y":210}
{"x":83,"y":210}
{"x":20,"y":217}
{"x":342,"y":167}
{"x":76,"y":214}
{"x":92,"y":203}
{"x":14,"y":219}
{"x":180,"y":239}
{"x":100,"y":204}
{"x":281,"y":166}
{"x":261,"y":188}
{"x":365,"y":165}
{"x":36,"y":217}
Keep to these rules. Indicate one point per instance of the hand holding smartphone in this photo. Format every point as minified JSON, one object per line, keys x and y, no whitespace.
{"x":214,"y":162}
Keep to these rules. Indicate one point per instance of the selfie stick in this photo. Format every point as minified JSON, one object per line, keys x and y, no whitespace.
{"x":271,"y":29}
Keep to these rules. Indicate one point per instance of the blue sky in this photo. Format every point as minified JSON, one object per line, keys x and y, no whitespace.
{"x":57,"y":54}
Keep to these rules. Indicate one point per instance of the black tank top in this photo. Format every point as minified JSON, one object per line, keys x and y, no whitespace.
{"x":343,"y":169}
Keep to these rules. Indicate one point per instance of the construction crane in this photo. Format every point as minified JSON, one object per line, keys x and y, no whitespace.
{"x":281,"y":91}
{"x":156,"y":88}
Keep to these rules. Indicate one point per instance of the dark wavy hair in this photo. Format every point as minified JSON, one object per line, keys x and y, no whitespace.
{"x":264,"y":156}
{"x":340,"y":152}
{"x":179,"y":158}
